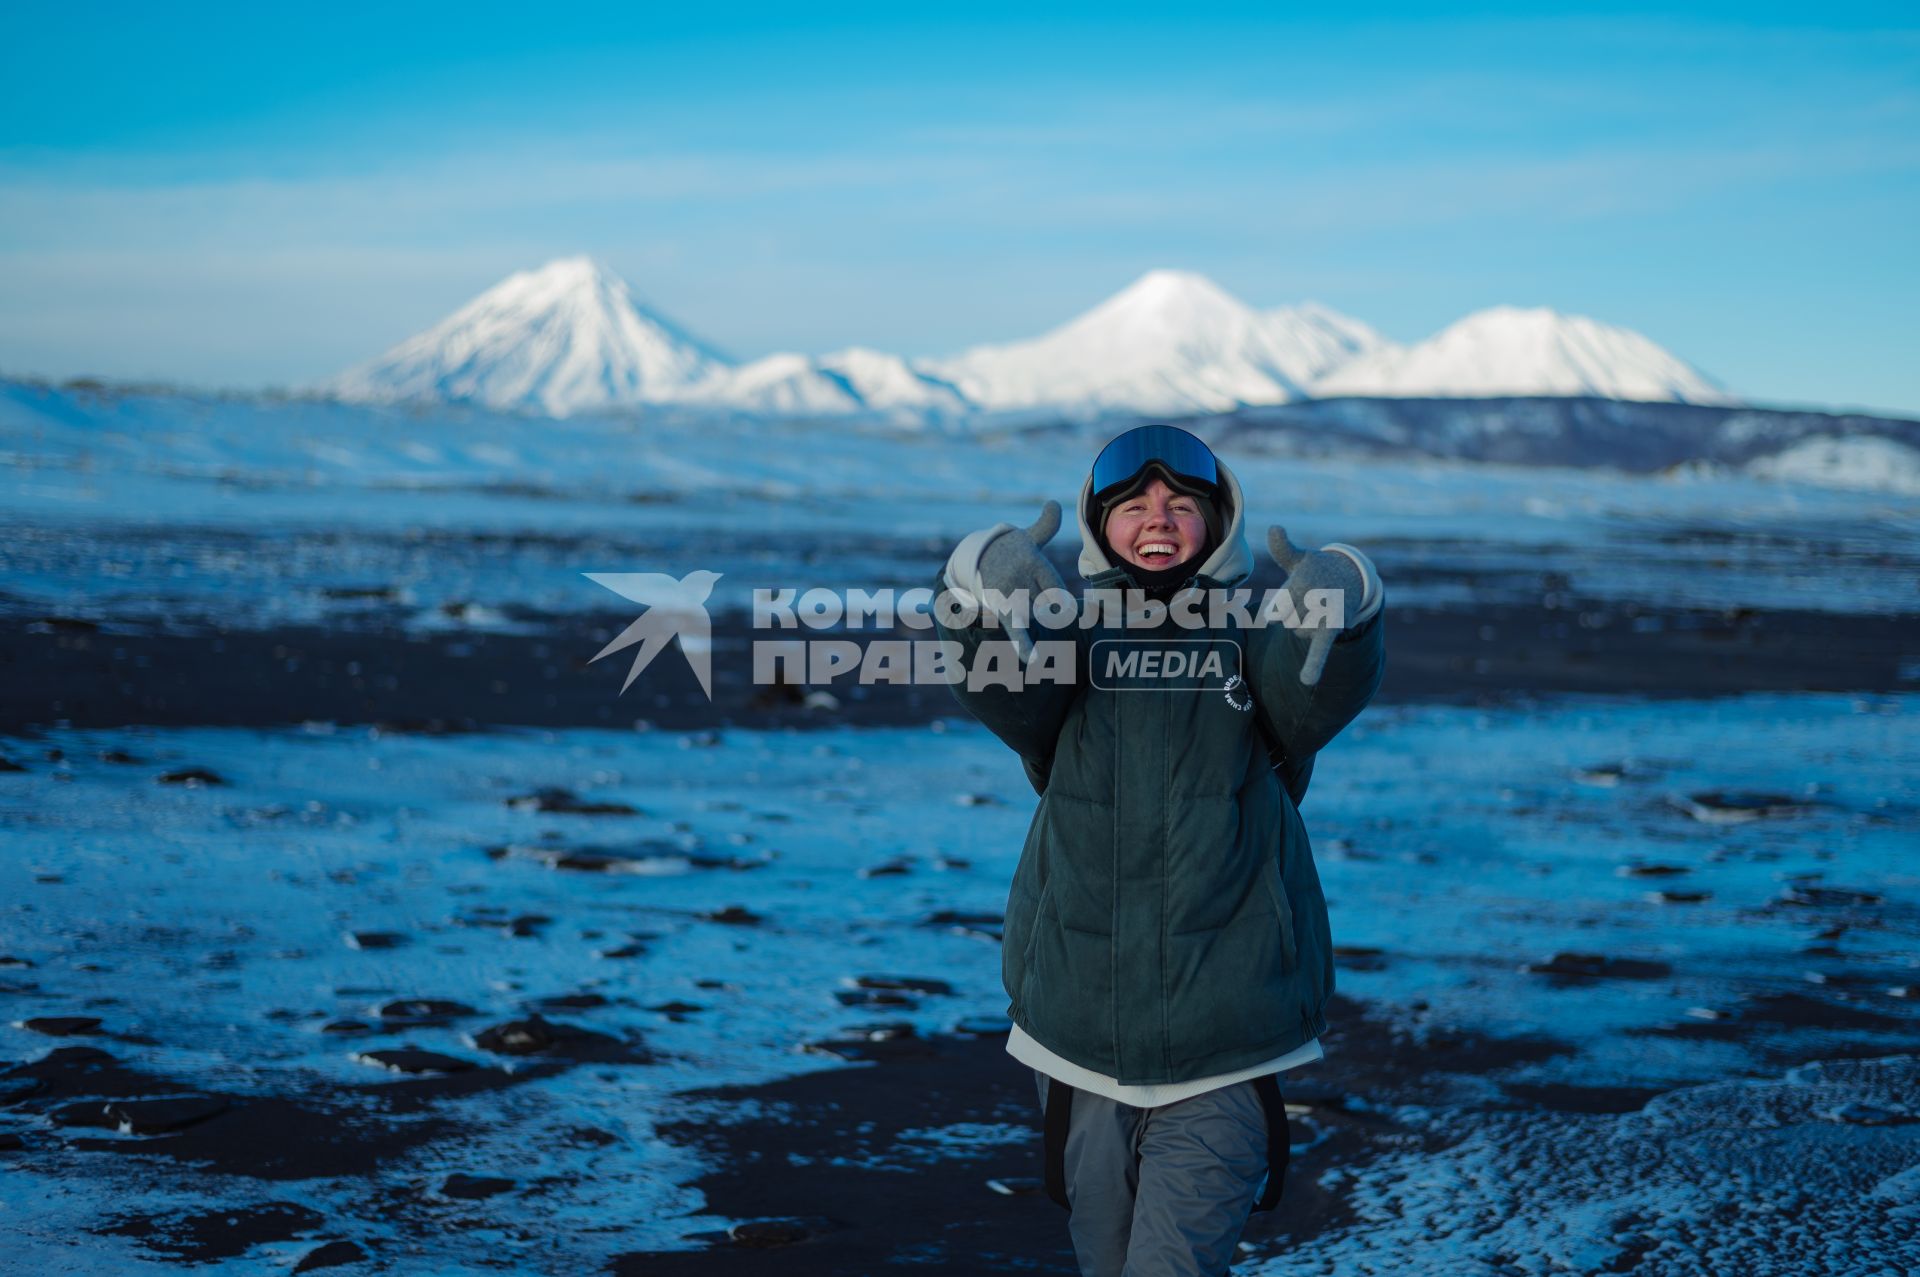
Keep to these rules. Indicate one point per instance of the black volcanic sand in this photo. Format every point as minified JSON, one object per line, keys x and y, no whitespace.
{"x":67,"y":671}
{"x":347,"y":1130}
{"x":812,"y":1171}
{"x":341,"y":1131}
{"x":863,"y":1215}
{"x":774,"y":1147}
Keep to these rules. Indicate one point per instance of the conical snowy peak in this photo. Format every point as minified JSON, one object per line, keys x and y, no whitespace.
{"x":564,"y":338}
{"x":1315,"y":339}
{"x":1510,"y":350}
{"x":1166,"y":297}
{"x":1170,"y":342}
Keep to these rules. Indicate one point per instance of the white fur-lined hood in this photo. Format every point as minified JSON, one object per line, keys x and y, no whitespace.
{"x":1230,"y":563}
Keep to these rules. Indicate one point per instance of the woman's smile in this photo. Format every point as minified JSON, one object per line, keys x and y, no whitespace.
{"x":1156,"y":527}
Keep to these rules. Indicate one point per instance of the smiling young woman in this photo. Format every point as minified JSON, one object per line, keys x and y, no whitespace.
{"x":1167,"y":950}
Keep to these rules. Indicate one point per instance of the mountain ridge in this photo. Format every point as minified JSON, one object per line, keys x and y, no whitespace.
{"x":571,"y":336}
{"x":1514,"y":350}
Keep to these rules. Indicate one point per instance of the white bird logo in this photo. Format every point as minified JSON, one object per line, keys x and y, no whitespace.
{"x":676,"y":608}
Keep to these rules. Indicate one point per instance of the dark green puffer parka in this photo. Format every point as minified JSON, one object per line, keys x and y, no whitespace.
{"x":1166,"y":921}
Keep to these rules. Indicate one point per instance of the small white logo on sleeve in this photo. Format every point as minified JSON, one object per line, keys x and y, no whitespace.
{"x":1238,"y":694}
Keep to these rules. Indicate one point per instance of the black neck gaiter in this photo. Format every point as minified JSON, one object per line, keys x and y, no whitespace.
{"x":1162,"y":584}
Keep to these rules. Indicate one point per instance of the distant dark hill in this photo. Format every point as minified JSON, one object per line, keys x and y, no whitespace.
{"x":1541,"y":431}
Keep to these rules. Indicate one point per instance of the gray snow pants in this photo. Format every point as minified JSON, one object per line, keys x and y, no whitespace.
{"x":1162,"y":1192}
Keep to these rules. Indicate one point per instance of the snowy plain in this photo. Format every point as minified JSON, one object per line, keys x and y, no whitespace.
{"x":1754,"y":964}
{"x":216,"y":921}
{"x":119,"y":507}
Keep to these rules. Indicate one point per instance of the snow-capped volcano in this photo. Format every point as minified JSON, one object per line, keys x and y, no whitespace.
{"x":851,"y":382}
{"x":570,"y":337}
{"x":1508,"y":350}
{"x":565,"y":338}
{"x":1170,"y":342}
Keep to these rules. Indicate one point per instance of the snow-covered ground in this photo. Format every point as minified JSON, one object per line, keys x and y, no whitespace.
{"x":142,"y":507}
{"x":210,"y":929}
{"x":1713,"y":900}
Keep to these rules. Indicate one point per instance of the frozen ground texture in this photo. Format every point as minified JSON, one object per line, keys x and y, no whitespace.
{"x":1801,"y":1175}
{"x":124,"y":508}
{"x":208,"y":928}
{"x":1697,"y":921}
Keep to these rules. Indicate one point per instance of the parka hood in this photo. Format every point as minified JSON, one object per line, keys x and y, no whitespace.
{"x":1228,"y":564}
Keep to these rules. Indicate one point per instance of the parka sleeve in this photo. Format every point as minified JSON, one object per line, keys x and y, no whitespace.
{"x":1302,"y":717}
{"x":1027,"y":717}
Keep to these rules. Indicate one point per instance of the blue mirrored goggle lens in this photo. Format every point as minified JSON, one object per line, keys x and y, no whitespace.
{"x":1181,"y":453}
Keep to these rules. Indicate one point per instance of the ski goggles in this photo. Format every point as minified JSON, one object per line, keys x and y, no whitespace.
{"x":1180,"y":454}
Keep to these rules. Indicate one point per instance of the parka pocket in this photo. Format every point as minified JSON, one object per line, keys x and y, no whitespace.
{"x":1283,"y":911}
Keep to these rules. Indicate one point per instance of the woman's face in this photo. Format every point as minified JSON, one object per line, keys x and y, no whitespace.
{"x":1156,"y":527}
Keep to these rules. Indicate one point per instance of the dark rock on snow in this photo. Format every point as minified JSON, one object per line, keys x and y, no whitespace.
{"x":1594,"y":965}
{"x":571,"y":1002}
{"x":62,"y":1026}
{"x":409,"y":1059}
{"x":1730,"y":806}
{"x":331,"y":1255}
{"x":192,"y":777}
{"x":164,"y":1116}
{"x":15,"y":1089}
{"x":218,"y":1234}
{"x":530,"y":1036}
{"x":424,"y":1011}
{"x":874,"y":998}
{"x":473,"y":1188}
{"x":733,"y":916}
{"x":906,"y":984}
{"x":537,"y":1036}
{"x":765,"y":1234}
{"x":1826,"y":897}
{"x":990,"y":923}
{"x":553,"y":800}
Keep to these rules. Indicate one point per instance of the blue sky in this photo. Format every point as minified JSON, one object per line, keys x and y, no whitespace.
{"x":226,"y":195}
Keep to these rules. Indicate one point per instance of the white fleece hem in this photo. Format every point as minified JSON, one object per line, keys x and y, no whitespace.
{"x":1023,"y":1048}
